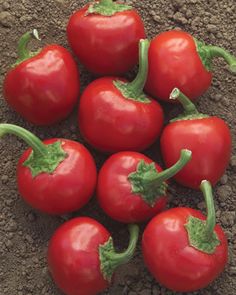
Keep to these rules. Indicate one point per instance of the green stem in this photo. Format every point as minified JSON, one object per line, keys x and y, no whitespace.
{"x":188,"y":106}
{"x":117,"y":259}
{"x":211,"y":218}
{"x":137,"y":85}
{"x":23,"y":51}
{"x":201,"y":234}
{"x":150,"y":184}
{"x":34,"y":142}
{"x":157,"y":179}
{"x":215,"y":51}
{"x":110,"y":260}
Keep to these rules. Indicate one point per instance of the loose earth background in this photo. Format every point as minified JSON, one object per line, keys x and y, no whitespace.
{"x":24,"y":233}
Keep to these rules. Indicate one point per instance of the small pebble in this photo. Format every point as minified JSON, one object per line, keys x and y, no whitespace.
{"x":201,"y":205}
{"x":25,"y":18}
{"x":224,"y":179}
{"x":189,"y":13}
{"x":5,"y":5}
{"x":6,"y":19}
{"x":178,"y":3}
{"x":12,"y":226}
{"x":214,"y":20}
{"x":224,"y":192}
{"x":157,"y":18}
{"x":228,"y":218}
{"x":4,"y":179}
{"x":179,"y":17}
{"x":9,"y":244}
{"x":225,"y":102}
{"x":211,"y":28}
{"x":29,"y":239}
{"x":216,"y":97}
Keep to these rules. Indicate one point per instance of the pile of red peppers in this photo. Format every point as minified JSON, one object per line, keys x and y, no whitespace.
{"x":183,"y":249}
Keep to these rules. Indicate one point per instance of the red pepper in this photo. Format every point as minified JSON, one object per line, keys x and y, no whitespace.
{"x":55,"y":176}
{"x":82,"y":258}
{"x":184,"y":250}
{"x":132,"y":188}
{"x":105,"y":36}
{"x":207,"y":137}
{"x":176,"y":59}
{"x":43,"y":86}
{"x":115,"y":115}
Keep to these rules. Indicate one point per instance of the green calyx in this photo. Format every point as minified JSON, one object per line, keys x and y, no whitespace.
{"x":110,"y":260}
{"x":201,"y":233}
{"x":190,"y":110}
{"x":150,"y":184}
{"x":197,"y":236}
{"x":208,"y":52}
{"x":130,"y":93}
{"x":149,"y":193}
{"x":107,"y":8}
{"x":43,"y":158}
{"x":38,"y":164}
{"x":23,"y":52}
{"x":134,"y":90}
{"x":204,"y":54}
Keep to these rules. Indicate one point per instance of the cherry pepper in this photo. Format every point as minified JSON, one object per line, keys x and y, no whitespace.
{"x":176,"y":59}
{"x":105,"y":36}
{"x":207,"y":137}
{"x":56,"y":176}
{"x":82,"y":258}
{"x":184,"y":250}
{"x":116,"y":115}
{"x":43,"y":86}
{"x":132,"y":188}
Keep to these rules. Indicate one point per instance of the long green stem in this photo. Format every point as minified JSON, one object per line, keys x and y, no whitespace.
{"x":138,"y":83}
{"x":34,"y":142}
{"x":110,"y":260}
{"x":201,"y":234}
{"x":188,"y":106}
{"x":23,"y":51}
{"x":211,"y":218}
{"x":117,"y":259}
{"x":150,"y":184}
{"x":215,"y":51}
{"x":157,"y":179}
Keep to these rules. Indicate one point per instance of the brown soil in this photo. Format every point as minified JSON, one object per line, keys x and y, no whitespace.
{"x":24,"y":232}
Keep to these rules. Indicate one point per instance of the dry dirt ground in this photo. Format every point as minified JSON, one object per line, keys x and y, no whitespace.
{"x":24,"y":233}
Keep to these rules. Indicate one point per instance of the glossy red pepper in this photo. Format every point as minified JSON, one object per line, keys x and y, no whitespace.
{"x":207,"y":137}
{"x":56,"y":176}
{"x":176,"y":59}
{"x":43,"y":87}
{"x":82,"y":258}
{"x":115,"y":115}
{"x":184,"y":250}
{"x":132,"y":188}
{"x":105,"y":36}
